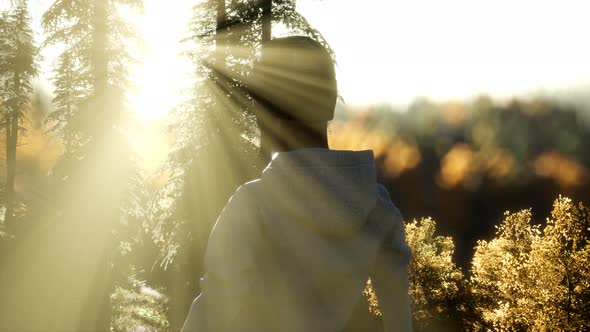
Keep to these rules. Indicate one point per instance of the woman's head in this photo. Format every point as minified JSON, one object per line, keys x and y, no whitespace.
{"x":294,"y":80}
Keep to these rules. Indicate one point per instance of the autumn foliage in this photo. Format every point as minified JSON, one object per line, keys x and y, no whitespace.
{"x":535,"y":278}
{"x":529,"y":277}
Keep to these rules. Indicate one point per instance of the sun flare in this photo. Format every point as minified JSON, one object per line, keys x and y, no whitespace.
{"x":161,"y":72}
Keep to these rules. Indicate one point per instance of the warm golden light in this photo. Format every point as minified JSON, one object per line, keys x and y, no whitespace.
{"x":162,"y":72}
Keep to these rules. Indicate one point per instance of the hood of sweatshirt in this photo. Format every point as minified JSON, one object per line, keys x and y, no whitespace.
{"x":323,"y":218}
{"x":328,"y":191}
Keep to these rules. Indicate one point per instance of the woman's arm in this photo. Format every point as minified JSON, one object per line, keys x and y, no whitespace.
{"x":390,"y":280}
{"x":390,"y":274}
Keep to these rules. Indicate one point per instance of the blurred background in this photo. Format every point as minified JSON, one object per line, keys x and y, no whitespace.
{"x":125,"y":130}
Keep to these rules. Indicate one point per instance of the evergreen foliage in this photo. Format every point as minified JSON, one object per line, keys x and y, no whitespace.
{"x":18,"y":67}
{"x":85,"y":202}
{"x":90,"y":74}
{"x":137,"y":307}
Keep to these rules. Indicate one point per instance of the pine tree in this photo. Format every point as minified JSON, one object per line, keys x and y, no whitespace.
{"x":88,"y":188}
{"x":70,"y":90}
{"x":18,"y":67}
{"x":90,"y":73}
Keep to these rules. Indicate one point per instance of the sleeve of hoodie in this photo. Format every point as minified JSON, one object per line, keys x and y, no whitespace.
{"x":390,"y":275}
{"x":230,"y":260}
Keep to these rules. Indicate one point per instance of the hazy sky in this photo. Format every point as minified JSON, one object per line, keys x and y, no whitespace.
{"x":396,"y":50}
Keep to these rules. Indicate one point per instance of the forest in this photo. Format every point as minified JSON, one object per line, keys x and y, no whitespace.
{"x":494,"y":193}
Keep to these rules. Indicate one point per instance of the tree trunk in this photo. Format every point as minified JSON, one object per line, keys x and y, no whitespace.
{"x":96,"y":221}
{"x":221,"y":29}
{"x":266,"y":20}
{"x":11,"y":140}
{"x":99,"y":56}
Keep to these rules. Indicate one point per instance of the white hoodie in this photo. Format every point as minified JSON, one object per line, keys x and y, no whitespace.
{"x":292,"y":251}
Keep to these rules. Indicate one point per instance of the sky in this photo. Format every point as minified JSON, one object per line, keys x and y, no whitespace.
{"x":394,"y":51}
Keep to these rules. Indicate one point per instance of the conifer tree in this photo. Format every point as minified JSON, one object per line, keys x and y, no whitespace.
{"x":90,"y":73}
{"x":18,"y":67}
{"x":86,"y":192}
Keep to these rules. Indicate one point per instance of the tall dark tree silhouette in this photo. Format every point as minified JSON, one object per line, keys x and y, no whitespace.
{"x":266,"y":6}
{"x":18,"y":67}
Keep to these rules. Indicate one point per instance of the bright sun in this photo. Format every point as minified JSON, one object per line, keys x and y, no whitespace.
{"x":158,"y":78}
{"x":162,"y":72}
